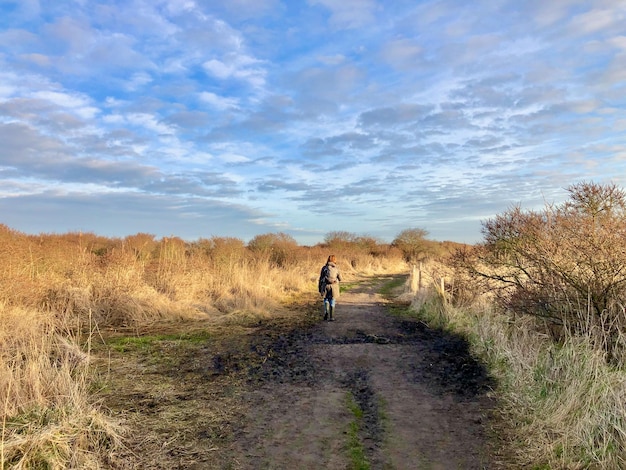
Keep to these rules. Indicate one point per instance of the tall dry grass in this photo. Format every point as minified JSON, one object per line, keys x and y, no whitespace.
{"x":56,"y":291}
{"x":564,"y":403}
{"x":48,"y":420}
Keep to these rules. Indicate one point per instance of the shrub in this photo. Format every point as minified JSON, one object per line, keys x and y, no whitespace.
{"x":565,"y":264}
{"x":279,"y":248}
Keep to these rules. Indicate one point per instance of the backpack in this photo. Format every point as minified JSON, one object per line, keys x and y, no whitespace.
{"x":324,"y":275}
{"x":329,"y":273}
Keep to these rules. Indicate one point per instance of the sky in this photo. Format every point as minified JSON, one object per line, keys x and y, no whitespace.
{"x":235,"y":118}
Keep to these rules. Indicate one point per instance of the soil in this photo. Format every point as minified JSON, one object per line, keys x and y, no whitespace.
{"x":369,"y":390}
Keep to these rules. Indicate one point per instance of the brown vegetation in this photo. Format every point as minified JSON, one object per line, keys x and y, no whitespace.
{"x":59,"y":293}
{"x":542,"y":299}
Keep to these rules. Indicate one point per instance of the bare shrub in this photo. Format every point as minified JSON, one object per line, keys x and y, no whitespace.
{"x":278,"y":248}
{"x":360,"y":253}
{"x":565,"y":264}
{"x":142,"y":245}
{"x":339,"y":240}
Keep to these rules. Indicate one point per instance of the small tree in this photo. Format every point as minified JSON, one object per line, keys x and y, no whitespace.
{"x":370,"y":245}
{"x":340,"y":239}
{"x":413,"y":244}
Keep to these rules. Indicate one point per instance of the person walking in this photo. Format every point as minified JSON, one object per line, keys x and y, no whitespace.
{"x":328,"y":286}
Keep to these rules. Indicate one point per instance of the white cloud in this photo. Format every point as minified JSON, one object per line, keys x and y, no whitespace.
{"x":219,"y":69}
{"x":233,"y":158}
{"x":237,"y":66}
{"x":176,"y":7}
{"x":138,"y":80}
{"x":6,"y":90}
{"x":78,"y":104}
{"x":149,"y":122}
{"x":113,"y":119}
{"x":402,"y":53}
{"x":520,"y":47}
{"x":597,"y":20}
{"x":548,"y":13}
{"x":76,"y":36}
{"x":61,"y":99}
{"x":618,"y":42}
{"x":38,"y":59}
{"x":218,"y":102}
{"x":112,"y":102}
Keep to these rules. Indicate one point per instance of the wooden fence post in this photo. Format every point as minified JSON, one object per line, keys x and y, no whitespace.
{"x":419,"y":277}
{"x":414,"y":280}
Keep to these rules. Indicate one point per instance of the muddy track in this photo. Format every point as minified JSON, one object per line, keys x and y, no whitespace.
{"x":423,"y":398}
{"x":369,"y":390}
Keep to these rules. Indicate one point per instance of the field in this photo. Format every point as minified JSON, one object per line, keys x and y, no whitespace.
{"x":148,"y":353}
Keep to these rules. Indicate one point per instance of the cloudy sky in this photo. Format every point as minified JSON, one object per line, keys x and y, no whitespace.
{"x":201,"y":118}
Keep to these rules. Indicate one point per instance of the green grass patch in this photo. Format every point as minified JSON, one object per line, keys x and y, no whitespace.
{"x":401,"y":309}
{"x":346,"y":286}
{"x":389,"y":289}
{"x":148,"y":343}
{"x":132,"y":343}
{"x":356,"y":451}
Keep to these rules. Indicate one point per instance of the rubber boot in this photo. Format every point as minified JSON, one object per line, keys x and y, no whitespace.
{"x":325,"y":311}
{"x":332,"y":310}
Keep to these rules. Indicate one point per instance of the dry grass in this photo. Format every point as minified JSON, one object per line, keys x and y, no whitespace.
{"x":47,"y":420}
{"x":567,"y":403}
{"x":59,"y":292}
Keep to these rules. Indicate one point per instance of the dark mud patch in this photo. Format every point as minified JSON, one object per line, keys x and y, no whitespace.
{"x":447,"y":362}
{"x":283,"y":359}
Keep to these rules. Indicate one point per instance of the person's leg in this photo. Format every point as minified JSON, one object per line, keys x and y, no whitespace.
{"x":332,"y":309}
{"x":326,"y":308}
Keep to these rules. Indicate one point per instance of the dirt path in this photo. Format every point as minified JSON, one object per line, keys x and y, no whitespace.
{"x":367,"y":391}
{"x":420,"y":395}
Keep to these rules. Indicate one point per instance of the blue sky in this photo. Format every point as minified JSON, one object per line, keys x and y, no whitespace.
{"x":236,"y":118}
